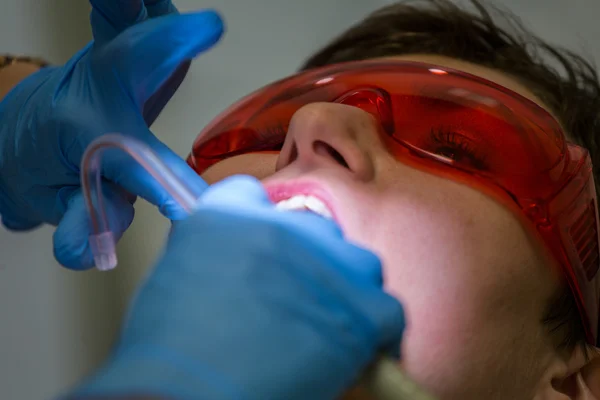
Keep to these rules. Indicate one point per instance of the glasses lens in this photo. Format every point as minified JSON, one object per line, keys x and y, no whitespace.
{"x":452,"y":117}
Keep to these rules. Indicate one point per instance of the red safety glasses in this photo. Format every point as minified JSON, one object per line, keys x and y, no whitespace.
{"x":452,"y":124}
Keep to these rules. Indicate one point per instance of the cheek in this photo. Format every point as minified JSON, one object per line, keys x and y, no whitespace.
{"x":444,"y":269}
{"x":259,"y":165}
{"x":469,"y":280}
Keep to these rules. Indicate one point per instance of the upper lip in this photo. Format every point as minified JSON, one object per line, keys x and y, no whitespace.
{"x":284,"y":190}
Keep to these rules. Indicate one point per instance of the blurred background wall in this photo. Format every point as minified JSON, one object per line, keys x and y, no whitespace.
{"x":57,"y":325}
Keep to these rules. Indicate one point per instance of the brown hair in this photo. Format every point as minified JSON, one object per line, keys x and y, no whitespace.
{"x":564,"y":81}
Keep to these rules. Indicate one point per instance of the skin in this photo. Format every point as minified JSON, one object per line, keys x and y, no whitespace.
{"x":472,"y":280}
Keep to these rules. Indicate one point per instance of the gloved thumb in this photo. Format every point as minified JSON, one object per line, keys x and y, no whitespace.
{"x":71,"y":238}
{"x":146,"y":55}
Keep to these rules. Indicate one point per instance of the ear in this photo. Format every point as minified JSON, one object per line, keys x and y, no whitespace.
{"x":576,"y":379}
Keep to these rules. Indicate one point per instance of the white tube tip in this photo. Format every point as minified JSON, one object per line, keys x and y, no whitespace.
{"x":104,"y":251}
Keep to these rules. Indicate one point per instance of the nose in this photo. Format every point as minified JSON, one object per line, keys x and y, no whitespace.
{"x":330,"y":135}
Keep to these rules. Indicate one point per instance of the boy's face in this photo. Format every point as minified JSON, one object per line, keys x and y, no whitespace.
{"x":473,"y":283}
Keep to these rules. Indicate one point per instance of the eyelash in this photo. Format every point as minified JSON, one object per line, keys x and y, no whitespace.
{"x":271,"y":137}
{"x":449,"y":140}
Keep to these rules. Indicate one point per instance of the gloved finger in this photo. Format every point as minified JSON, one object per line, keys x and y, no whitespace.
{"x":157,"y":8}
{"x":71,"y":237}
{"x":146,"y":55}
{"x":111,"y":17}
{"x":157,"y":102}
{"x":357,"y":264}
{"x":122,"y":170}
{"x":361,"y":268}
{"x":387,"y":320}
{"x":392,"y":327}
{"x":238,"y":191}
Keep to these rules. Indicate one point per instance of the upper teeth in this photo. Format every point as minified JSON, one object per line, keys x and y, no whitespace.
{"x":301,"y":202}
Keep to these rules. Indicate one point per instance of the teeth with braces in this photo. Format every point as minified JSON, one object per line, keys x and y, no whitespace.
{"x":302,"y":202}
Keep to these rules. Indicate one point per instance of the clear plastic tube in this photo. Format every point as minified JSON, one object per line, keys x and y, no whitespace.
{"x":384,"y":380}
{"x":101,"y":240}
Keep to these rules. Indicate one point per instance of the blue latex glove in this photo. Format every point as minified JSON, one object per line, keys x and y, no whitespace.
{"x":118,"y":83}
{"x":249,"y":302}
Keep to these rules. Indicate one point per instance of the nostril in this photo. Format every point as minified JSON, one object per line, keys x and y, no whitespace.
{"x":322,"y":148}
{"x":293,"y":153}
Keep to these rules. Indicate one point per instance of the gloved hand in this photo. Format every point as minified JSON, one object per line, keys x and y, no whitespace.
{"x":118,"y":83}
{"x":248,"y":302}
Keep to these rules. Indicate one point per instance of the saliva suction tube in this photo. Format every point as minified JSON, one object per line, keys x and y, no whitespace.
{"x":383,"y":379}
{"x":102,"y":240}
